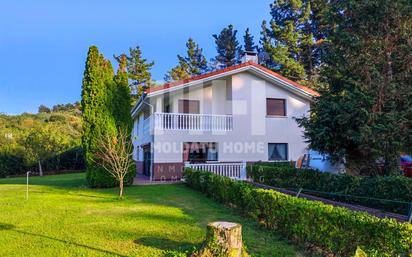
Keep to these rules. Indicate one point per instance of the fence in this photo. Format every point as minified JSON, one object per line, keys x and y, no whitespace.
{"x":232,"y":170}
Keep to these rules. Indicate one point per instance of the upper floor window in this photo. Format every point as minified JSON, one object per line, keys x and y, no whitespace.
{"x":275,"y":107}
{"x":278,"y":151}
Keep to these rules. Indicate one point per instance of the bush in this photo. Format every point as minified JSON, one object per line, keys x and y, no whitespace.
{"x":397,"y":188}
{"x":57,"y":118}
{"x":333,"y":229}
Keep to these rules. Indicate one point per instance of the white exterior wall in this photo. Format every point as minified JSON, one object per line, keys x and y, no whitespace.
{"x":140,"y":136}
{"x":243,"y":95}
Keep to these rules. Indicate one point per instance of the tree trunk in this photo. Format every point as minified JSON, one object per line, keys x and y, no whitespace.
{"x":121,"y":188}
{"x":223,"y":239}
{"x":40,"y":169}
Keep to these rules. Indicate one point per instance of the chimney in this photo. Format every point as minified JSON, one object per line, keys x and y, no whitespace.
{"x":250,"y":56}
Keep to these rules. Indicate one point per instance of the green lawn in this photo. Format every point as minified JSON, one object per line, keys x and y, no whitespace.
{"x":64,"y":218}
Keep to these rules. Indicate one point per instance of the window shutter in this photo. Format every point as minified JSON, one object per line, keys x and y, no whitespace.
{"x":275,"y":107}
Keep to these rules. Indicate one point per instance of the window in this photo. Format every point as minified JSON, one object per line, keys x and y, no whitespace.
{"x":278,"y":152}
{"x":200,"y":152}
{"x":275,"y":107}
{"x":189,"y":106}
{"x":212,"y":152}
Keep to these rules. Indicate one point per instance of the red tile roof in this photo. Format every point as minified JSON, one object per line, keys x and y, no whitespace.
{"x":231,"y":68}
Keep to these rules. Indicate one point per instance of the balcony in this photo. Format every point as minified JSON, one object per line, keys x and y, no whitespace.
{"x":196,"y":122}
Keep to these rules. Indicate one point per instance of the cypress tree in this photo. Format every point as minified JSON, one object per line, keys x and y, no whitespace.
{"x":122,"y":106}
{"x":194,"y":63}
{"x":122,"y":101}
{"x":96,"y":114}
{"x":228,"y":49}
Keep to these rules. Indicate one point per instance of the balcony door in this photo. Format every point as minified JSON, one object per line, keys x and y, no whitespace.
{"x":147,"y":160}
{"x":200,"y":152}
{"x":188,"y":107}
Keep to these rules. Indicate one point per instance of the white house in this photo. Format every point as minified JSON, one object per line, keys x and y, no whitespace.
{"x":219,"y":120}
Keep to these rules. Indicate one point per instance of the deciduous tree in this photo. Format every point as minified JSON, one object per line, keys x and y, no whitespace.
{"x":42,"y":143}
{"x":44,"y":109}
{"x":114,"y":156}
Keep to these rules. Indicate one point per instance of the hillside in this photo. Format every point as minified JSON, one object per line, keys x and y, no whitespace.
{"x":51,"y":136}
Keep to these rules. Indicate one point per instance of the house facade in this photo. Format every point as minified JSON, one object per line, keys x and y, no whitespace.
{"x":244,"y":113}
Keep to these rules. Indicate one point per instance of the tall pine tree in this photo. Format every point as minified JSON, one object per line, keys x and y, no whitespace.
{"x":365,"y":113}
{"x":194,"y":63}
{"x":97,"y":114}
{"x":138,"y":71}
{"x":249,"y":44}
{"x":293,"y":39}
{"x":228,"y":49}
{"x":180,"y":71}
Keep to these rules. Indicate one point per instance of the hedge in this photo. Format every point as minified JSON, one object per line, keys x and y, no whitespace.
{"x":14,"y":164}
{"x":398,"y":188}
{"x":11,"y":164}
{"x":332,"y":229}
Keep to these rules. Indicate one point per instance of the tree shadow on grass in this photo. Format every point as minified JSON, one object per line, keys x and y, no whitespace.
{"x":71,"y":180}
{"x":11,"y":227}
{"x":165,"y":244}
{"x":4,"y":226}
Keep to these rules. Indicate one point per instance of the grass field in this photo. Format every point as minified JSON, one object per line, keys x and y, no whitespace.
{"x":65,"y":218}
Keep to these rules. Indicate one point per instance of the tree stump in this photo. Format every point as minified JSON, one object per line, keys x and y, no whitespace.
{"x":223,"y":239}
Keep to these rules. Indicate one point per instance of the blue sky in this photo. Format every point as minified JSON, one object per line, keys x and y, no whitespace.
{"x":43,"y":44}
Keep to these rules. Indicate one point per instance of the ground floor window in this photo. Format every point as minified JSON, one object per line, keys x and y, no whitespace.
{"x":200,"y":152}
{"x":278,"y":151}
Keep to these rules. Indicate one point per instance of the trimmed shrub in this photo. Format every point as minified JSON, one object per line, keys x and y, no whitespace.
{"x":333,"y":229}
{"x":397,"y":188}
{"x":14,"y":163}
{"x":286,"y":164}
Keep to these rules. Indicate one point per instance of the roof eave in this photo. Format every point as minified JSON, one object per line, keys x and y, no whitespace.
{"x":284,"y":83}
{"x":261,"y":72}
{"x":138,"y":104}
{"x":196,"y":82}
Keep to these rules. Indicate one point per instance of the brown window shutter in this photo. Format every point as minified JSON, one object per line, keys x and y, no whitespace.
{"x":275,"y":107}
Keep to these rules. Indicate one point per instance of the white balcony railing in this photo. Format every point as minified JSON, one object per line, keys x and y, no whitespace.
{"x":187,"y":121}
{"x":235,"y":170}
